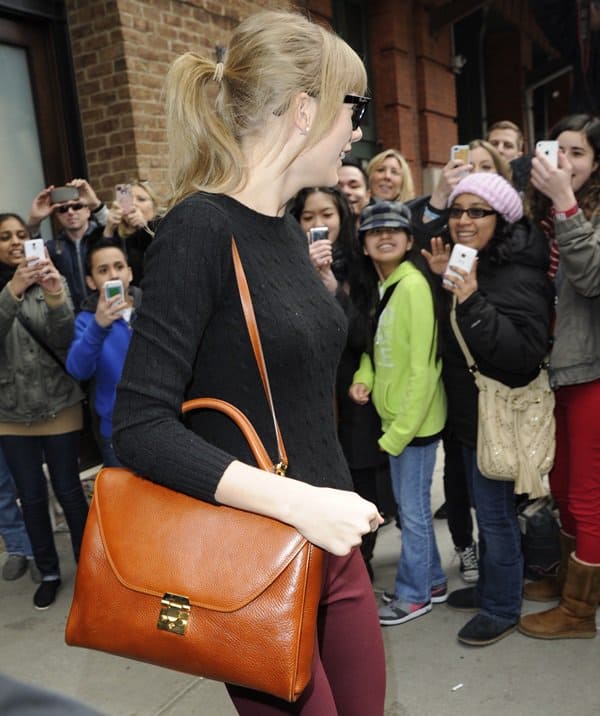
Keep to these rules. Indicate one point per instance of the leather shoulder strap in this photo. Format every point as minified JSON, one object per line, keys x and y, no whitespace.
{"x":250,"y":318}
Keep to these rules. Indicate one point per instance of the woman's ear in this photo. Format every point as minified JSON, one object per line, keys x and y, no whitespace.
{"x":304,"y":112}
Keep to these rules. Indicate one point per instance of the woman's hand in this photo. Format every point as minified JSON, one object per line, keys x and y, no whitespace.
{"x":107,"y":312}
{"x":554,"y":182}
{"x":321,"y":257}
{"x":463,"y":285}
{"x":115,"y":215}
{"x":336,"y":520}
{"x":437,"y":259}
{"x":451,"y":174}
{"x":24,"y":277}
{"x":47,"y":275}
{"x":359,"y":393}
{"x":135,"y":218}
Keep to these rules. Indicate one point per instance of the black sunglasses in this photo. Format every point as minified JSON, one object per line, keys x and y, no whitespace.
{"x":63,"y":209}
{"x":456,"y":212}
{"x":359,"y":108}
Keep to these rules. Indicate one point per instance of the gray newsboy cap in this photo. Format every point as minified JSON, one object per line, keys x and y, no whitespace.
{"x":385,"y":215}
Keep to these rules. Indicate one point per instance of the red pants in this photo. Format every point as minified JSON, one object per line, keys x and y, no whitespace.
{"x":349,"y":662}
{"x":575,"y":478}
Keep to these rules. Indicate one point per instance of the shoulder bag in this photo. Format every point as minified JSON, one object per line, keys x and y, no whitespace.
{"x":515,"y":426}
{"x":205,"y":589}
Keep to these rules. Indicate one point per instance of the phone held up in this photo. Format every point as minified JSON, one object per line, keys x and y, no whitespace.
{"x":549,"y":149}
{"x":460,"y":152}
{"x":114,"y":288}
{"x":462,"y":257}
{"x":34,"y":251}
{"x":318,"y":233}
{"x":62,"y":194}
{"x":124,"y":197}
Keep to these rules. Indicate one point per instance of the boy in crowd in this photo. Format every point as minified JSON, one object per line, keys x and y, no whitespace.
{"x":103,"y":333}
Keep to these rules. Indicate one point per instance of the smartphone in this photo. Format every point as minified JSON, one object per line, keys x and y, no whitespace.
{"x":461,"y":152}
{"x":124,"y":197}
{"x":463,"y":257}
{"x":114,"y":288}
{"x":318,"y":233}
{"x":549,"y":149}
{"x":34,"y":251}
{"x":64,"y":193}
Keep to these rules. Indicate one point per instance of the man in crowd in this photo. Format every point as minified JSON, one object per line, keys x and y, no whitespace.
{"x":507,"y":138}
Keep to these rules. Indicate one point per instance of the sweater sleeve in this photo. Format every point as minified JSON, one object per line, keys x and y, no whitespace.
{"x":579,"y":245}
{"x":82,"y":359}
{"x":364,"y":374}
{"x":187,"y":265}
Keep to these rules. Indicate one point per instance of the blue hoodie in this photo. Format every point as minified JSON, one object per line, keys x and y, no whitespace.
{"x":99,"y":353}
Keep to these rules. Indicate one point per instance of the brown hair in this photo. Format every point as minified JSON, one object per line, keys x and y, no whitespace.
{"x":507,"y":124}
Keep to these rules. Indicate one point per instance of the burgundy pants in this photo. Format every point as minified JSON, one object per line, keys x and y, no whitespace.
{"x":575,"y":478}
{"x":348,"y":677}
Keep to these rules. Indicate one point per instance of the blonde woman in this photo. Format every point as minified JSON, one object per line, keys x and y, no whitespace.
{"x":135,"y":225}
{"x":245,"y":136}
{"x":390,"y":177}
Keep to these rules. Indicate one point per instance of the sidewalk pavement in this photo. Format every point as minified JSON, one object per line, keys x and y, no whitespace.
{"x":429,"y":672}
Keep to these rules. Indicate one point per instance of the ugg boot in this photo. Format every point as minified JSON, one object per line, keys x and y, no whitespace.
{"x":575,"y":616}
{"x":550,"y":588}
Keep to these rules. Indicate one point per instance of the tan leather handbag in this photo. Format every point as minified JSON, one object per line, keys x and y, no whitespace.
{"x":204,"y":589}
{"x":515,"y":426}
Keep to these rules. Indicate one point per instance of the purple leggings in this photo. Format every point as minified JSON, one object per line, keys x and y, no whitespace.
{"x":348,"y":677}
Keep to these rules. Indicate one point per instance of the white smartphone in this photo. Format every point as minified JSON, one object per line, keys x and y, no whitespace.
{"x":114,"y":288}
{"x":549,"y":149}
{"x":462,"y":257}
{"x":460,"y":151}
{"x":34,"y":251}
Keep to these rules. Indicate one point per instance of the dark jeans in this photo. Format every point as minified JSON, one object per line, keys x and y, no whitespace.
{"x":25,"y":456}
{"x":458,"y":502}
{"x":500,"y":582}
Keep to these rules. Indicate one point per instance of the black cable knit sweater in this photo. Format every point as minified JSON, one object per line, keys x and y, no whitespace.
{"x":190,"y":340}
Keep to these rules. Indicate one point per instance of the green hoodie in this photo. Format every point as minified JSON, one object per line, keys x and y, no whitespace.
{"x":405,"y":382}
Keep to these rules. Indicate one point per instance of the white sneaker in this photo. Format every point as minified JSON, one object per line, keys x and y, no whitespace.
{"x":469,"y":566}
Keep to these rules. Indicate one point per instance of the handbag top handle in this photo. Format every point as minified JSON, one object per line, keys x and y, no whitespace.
{"x":248,"y":309}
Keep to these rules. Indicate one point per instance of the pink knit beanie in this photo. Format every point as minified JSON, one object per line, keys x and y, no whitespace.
{"x":494,"y":189}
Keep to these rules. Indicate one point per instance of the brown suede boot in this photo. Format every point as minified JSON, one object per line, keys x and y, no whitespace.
{"x":550,"y":588}
{"x":575,"y":616}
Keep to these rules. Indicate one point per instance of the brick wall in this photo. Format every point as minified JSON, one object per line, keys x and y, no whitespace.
{"x":121,"y":51}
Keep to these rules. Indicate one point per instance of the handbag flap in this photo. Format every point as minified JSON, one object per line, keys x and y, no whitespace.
{"x":219,"y":557}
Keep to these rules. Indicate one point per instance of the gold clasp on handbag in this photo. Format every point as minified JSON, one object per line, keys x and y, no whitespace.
{"x":280,"y":468}
{"x":175,"y":614}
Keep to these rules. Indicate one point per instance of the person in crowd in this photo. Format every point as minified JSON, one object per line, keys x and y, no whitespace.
{"x":390,"y":177}
{"x":246,"y":135}
{"x":353,"y":182}
{"x":40,"y":405}
{"x":13,"y":531}
{"x":135,"y":224}
{"x":103,"y":332}
{"x":507,"y":139}
{"x":484,"y":158}
{"x":359,"y":426}
{"x":78,"y":220}
{"x":503,"y":308}
{"x":401,"y":374}
{"x":566,"y":200}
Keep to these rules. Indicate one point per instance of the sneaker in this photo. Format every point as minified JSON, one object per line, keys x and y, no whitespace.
{"x":45,"y":594}
{"x":482,"y":630}
{"x":464,"y":600}
{"x":439,"y":594}
{"x":398,"y":612}
{"x":14,"y":567}
{"x":469,"y":566}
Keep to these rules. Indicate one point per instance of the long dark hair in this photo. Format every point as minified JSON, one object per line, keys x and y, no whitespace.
{"x":345,"y":249}
{"x":588,"y":196}
{"x":6,"y":271}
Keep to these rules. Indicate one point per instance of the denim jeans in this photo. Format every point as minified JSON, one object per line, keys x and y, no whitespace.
{"x":500,"y":583}
{"x":12,"y":526}
{"x":419,"y":565}
{"x":25,"y":456}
